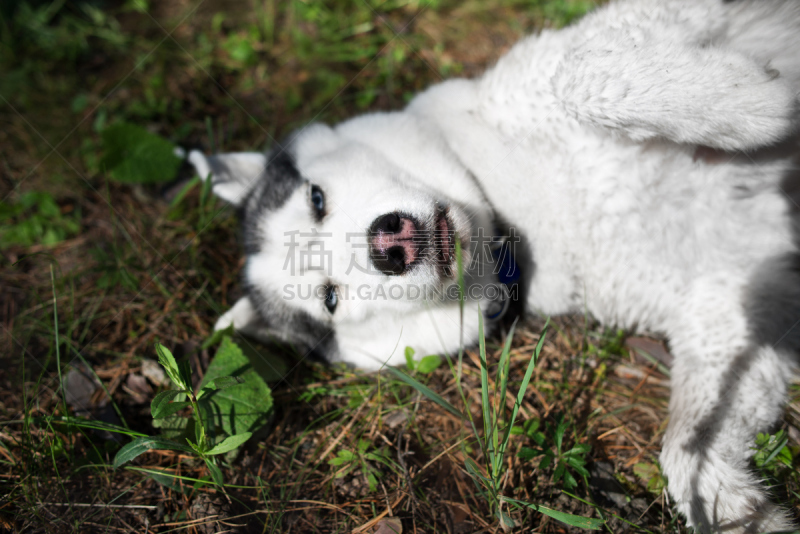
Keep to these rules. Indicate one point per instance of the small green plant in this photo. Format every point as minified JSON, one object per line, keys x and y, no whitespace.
{"x":608,"y":343}
{"x":134,"y":155}
{"x":772,"y":453}
{"x":551,"y":449}
{"x":363,"y":460}
{"x":651,"y":475}
{"x":425,"y":365}
{"x":214,"y":406}
{"x":498,"y":427}
{"x":35,"y":218}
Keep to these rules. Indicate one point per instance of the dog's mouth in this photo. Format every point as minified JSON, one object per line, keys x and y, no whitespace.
{"x":443,"y":242}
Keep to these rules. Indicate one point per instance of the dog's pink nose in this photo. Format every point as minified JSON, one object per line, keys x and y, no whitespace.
{"x":392,"y":243}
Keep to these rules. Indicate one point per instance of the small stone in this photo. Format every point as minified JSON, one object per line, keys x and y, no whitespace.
{"x":152,"y":370}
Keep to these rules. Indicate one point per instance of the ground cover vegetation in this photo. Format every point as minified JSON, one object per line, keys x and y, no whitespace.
{"x":120,"y":411}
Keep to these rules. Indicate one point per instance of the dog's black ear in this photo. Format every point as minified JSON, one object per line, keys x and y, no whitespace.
{"x":232,"y":175}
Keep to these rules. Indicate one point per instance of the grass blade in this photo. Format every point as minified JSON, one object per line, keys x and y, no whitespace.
{"x":142,"y":445}
{"x":587,"y":523}
{"x":485,"y":400}
{"x":524,"y":385}
{"x":425,"y":390}
{"x":503,"y":369}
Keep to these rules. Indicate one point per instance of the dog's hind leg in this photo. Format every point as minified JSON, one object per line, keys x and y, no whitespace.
{"x":647,"y":82}
{"x":727,"y":385}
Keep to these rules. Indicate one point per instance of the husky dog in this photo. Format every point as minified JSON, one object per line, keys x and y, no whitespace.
{"x":640,"y":160}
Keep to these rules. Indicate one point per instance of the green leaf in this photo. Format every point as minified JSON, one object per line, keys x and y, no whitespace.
{"x":578,"y":450}
{"x":216,"y":473}
{"x":561,"y":468}
{"x":240,"y":409}
{"x":196,"y":448}
{"x":526,"y":453}
{"x":651,"y":475}
{"x":142,"y":445}
{"x":134,"y":155}
{"x":167,"y":361}
{"x":162,"y":401}
{"x":344,"y":456}
{"x":569,"y":480}
{"x":569,"y":519}
{"x":229,"y":443}
{"x":170,"y":408}
{"x":225,"y":382}
{"x":428,"y":364}
{"x":410,"y":363}
{"x":545,"y":462}
{"x":185,"y":371}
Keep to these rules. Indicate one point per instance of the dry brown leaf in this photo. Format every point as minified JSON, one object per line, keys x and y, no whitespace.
{"x":390,"y":525}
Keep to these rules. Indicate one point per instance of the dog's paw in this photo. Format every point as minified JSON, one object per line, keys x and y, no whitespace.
{"x":755,"y":108}
{"x":241,"y":316}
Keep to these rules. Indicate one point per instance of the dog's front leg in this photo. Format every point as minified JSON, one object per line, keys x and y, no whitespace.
{"x":725,"y":389}
{"x":657,"y":86}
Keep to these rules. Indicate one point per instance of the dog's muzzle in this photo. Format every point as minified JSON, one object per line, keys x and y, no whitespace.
{"x":395,"y":243}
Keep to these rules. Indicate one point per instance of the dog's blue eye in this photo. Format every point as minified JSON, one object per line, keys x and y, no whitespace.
{"x":331,"y":299}
{"x":318,"y":200}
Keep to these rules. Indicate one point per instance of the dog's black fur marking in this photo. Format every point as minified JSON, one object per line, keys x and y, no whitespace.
{"x":281,"y":178}
{"x":311,"y":337}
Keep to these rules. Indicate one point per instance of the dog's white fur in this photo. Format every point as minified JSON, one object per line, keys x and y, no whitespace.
{"x":583,"y":139}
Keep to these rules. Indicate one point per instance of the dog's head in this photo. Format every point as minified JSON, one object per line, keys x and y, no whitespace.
{"x":352,"y":236}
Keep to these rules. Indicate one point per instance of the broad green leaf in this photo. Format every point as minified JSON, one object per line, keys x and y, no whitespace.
{"x":569,"y":519}
{"x":134,"y":155}
{"x":428,"y":364}
{"x":160,"y":401}
{"x":170,"y":408}
{"x":141,"y":445}
{"x":526,"y":453}
{"x":240,"y":409}
{"x":229,"y":443}
{"x":267,"y":364}
{"x":225,"y":382}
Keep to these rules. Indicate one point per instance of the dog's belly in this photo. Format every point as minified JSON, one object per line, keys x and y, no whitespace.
{"x":649,"y":227}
